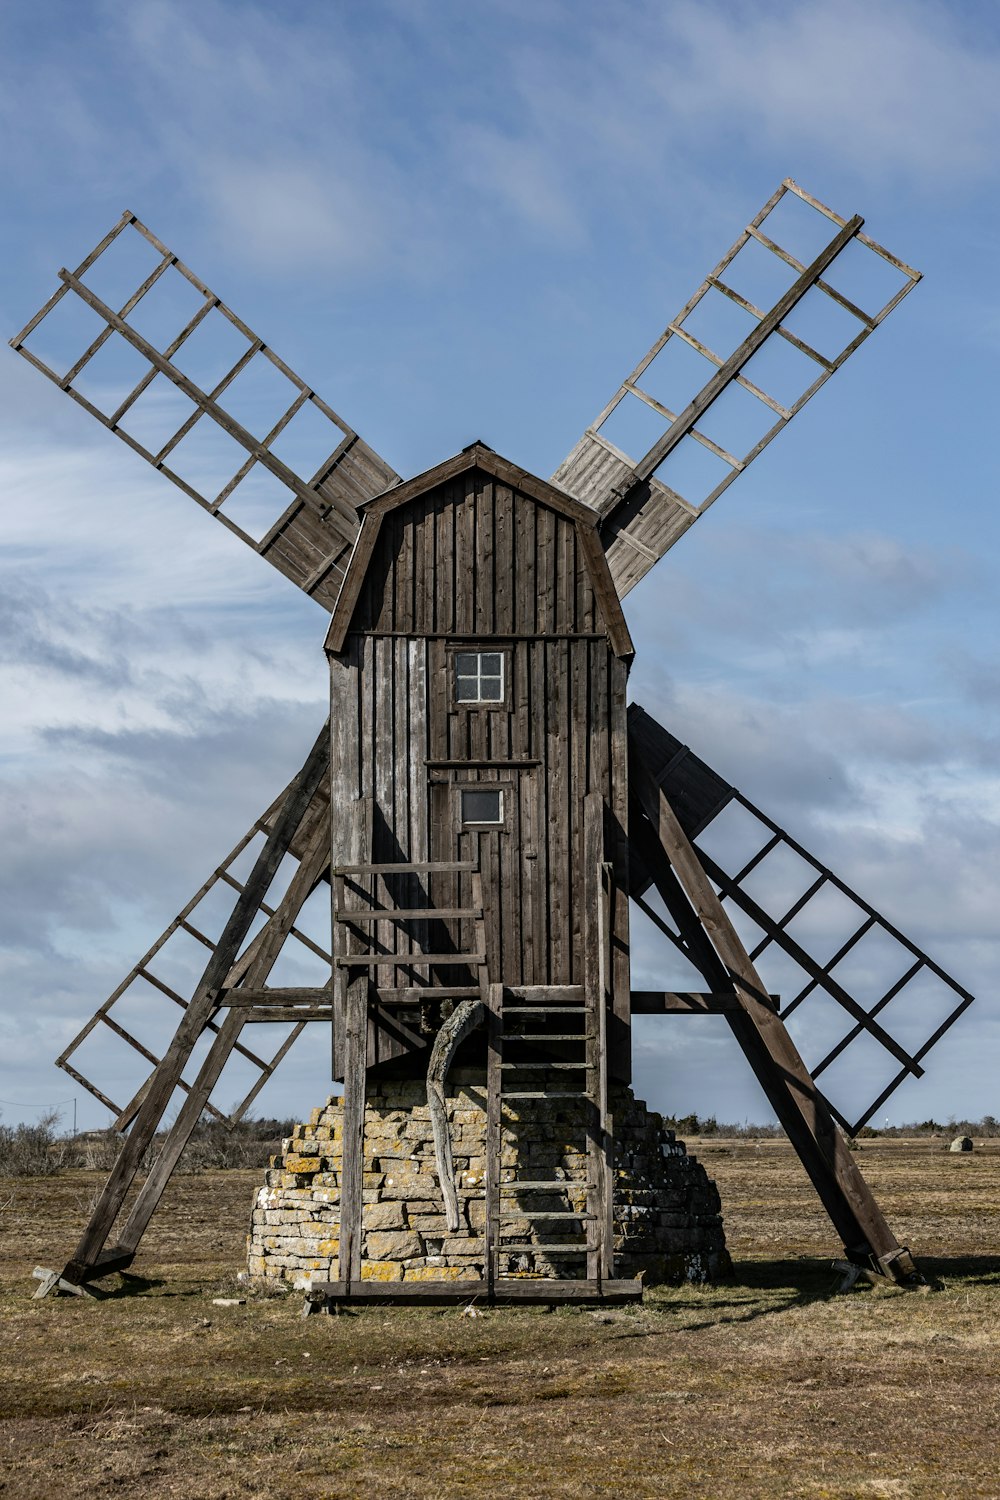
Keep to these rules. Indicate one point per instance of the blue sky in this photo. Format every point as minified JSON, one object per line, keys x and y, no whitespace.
{"x":465,"y":222}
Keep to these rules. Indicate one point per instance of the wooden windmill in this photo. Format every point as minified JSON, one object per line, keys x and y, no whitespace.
{"x":483,"y":804}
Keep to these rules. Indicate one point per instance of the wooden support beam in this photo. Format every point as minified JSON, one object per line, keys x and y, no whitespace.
{"x":761,"y":1033}
{"x":251,"y":998}
{"x":198,"y":1014}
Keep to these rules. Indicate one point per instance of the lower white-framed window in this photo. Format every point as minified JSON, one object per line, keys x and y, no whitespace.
{"x":481,"y":805}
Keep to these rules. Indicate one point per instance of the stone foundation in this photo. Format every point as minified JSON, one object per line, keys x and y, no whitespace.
{"x":666,"y":1209}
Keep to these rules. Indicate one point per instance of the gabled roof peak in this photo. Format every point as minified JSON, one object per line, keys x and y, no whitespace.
{"x":479,"y":456}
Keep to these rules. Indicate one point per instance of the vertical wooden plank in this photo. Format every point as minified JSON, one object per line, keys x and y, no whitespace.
{"x":444,"y":566}
{"x":597,"y":945}
{"x":418,"y":621}
{"x":486,"y":560}
{"x":545,"y":571}
{"x":558,"y":812}
{"x":504,"y":505}
{"x":404,"y":572}
{"x":416,"y":651}
{"x":465,"y":562}
{"x":352,"y":1159}
{"x":438,"y":695}
{"x":383,"y":730}
{"x":620,"y":1037}
{"x":580,"y":729}
{"x":604,"y":1207}
{"x":402,"y":712}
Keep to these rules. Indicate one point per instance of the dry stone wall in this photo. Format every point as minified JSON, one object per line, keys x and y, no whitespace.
{"x":668,"y":1225}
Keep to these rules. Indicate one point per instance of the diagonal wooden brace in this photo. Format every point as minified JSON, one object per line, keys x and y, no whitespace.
{"x":89,"y":1259}
{"x":717,"y":950}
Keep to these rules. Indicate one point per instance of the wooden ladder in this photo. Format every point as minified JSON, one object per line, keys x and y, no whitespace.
{"x":565,"y":1208}
{"x":360,"y":932}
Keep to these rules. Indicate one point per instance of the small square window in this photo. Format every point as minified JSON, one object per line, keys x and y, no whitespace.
{"x":482,"y":805}
{"x":479,"y":677}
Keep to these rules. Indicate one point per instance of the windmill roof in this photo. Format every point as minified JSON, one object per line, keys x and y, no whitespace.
{"x":479,"y":456}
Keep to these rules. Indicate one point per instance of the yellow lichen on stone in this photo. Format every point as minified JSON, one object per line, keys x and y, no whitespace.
{"x":301,"y":1164}
{"x":381,"y":1270}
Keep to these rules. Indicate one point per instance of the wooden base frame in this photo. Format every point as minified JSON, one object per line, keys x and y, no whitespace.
{"x":542,"y":1289}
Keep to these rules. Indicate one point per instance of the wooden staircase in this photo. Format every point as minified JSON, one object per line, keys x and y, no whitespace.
{"x":546,"y":1064}
{"x":548,"y":1225}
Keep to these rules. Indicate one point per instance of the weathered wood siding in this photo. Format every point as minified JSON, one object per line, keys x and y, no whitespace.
{"x":473,"y":564}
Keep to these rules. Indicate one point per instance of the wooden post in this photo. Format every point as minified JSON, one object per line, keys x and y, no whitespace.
{"x":761,"y":1033}
{"x":494,"y":1144}
{"x":596,"y":978}
{"x":352,"y":1158}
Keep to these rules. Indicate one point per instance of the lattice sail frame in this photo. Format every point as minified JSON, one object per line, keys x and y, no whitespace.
{"x":699,"y":796}
{"x":644,"y":517}
{"x":182,"y":923}
{"x":311,"y":537}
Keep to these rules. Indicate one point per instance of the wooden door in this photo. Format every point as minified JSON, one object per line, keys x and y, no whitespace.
{"x":487,"y":814}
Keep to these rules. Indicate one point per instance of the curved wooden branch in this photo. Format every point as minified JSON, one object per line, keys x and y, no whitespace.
{"x":464,"y":1019}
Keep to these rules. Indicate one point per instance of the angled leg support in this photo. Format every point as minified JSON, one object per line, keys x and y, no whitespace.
{"x":91,"y":1260}
{"x":717,"y":950}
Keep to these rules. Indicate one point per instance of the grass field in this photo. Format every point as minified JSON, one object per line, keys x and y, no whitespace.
{"x":768,"y":1386}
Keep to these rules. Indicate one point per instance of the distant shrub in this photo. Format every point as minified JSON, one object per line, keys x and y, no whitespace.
{"x":216,"y":1146}
{"x":32,"y":1150}
{"x":41,"y":1149}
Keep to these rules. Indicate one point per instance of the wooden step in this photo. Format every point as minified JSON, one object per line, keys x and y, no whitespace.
{"x":414,"y":994}
{"x":544,"y":1094}
{"x":533,"y":1185}
{"x":408,"y":960}
{"x":544,"y":1010}
{"x":536,"y":1067}
{"x":418,"y":869}
{"x":538,"y":1213}
{"x":581,"y":1249}
{"x":547,"y":1036}
{"x":406,"y":914}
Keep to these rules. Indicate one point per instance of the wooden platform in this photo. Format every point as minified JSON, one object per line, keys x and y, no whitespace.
{"x":505,"y":1291}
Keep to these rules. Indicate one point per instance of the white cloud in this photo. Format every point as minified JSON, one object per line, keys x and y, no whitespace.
{"x":889,"y":86}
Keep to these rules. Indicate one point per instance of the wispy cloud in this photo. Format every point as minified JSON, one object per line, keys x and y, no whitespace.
{"x":910,"y":88}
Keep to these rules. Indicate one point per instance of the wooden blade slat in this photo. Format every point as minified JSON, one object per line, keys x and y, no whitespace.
{"x":628,"y":491}
{"x":310,"y":538}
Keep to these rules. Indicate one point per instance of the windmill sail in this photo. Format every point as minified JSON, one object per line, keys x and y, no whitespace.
{"x":142,"y":1011}
{"x":867,"y":1003}
{"x":173,"y":372}
{"x":709,"y":411}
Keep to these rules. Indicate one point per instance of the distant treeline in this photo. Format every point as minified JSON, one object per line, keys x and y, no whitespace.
{"x":708,"y":1125}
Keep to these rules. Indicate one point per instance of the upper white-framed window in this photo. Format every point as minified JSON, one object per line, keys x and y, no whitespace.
{"x":479,"y":676}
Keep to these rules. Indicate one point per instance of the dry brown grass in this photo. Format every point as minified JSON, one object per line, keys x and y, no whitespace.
{"x":766,"y":1387}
